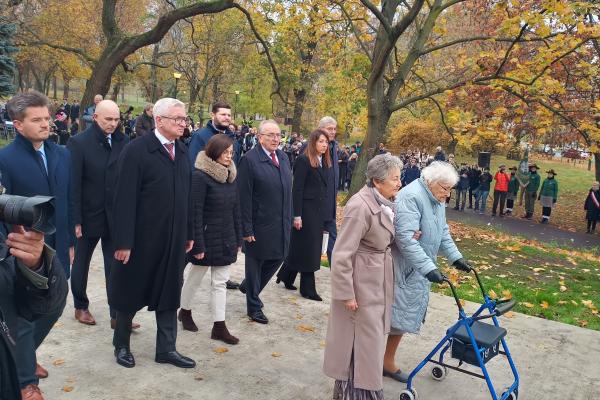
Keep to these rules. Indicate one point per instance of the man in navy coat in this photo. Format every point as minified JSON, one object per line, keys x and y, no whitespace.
{"x":329,"y":125}
{"x":265,"y":186}
{"x":33,"y":165}
{"x":94,"y":154}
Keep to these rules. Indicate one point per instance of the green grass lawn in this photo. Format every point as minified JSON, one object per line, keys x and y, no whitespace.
{"x":546,"y":281}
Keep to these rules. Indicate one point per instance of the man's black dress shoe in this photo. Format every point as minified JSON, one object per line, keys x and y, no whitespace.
{"x":314,"y":297}
{"x":259,"y":316}
{"x":232,"y":285}
{"x":124,"y":357}
{"x":176,"y":359}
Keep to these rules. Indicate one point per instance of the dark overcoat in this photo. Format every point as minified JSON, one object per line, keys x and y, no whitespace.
{"x":333,"y":179}
{"x":152,"y":199}
{"x":592,"y":211}
{"x":309,"y":199}
{"x":23,"y":174}
{"x":215,"y":212}
{"x":266,"y":202}
{"x":94,"y":172}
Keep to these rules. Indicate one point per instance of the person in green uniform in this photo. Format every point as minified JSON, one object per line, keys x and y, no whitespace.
{"x":548,"y":195}
{"x":513,"y":190}
{"x":531,"y":189}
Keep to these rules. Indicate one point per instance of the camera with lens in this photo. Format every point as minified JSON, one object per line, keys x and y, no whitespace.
{"x":35,"y":212}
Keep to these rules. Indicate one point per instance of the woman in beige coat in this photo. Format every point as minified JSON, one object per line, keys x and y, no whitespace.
{"x":362,"y":285}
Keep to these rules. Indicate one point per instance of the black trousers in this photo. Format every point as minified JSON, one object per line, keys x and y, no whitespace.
{"x":258,"y":274}
{"x":499,"y":198}
{"x":307,"y":279}
{"x":510,"y":203}
{"x":81,"y":267}
{"x":166,"y":330}
{"x":546,"y":211}
{"x":472,"y":195}
{"x":591,"y":225}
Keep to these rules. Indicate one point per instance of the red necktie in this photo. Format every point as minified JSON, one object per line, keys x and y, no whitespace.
{"x":274,"y":159}
{"x":169,"y":147}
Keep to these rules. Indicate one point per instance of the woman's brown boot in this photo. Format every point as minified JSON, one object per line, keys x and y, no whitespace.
{"x":220,"y":332}
{"x":185,"y":316}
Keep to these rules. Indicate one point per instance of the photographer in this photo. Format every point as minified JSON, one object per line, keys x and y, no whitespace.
{"x":32,"y":286}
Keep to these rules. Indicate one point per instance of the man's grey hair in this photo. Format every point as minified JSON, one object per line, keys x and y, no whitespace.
{"x":162,"y":106}
{"x":149,"y":106}
{"x":440,"y":171}
{"x":264,"y":123}
{"x":325,"y":121}
{"x":380,"y":166}
{"x":18,"y":104}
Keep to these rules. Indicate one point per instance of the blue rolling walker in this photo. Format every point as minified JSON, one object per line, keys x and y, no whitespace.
{"x":473,"y":342}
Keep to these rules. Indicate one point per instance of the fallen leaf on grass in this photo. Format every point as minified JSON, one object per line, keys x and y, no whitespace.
{"x":275,"y":354}
{"x":68,"y":389}
{"x":544,"y":304}
{"x":587,"y":303}
{"x":58,"y":362}
{"x":221,"y":350}
{"x":306,"y":328}
{"x":492,"y":294}
{"x":506,"y":294}
{"x":562,"y":302}
{"x":528,"y":305}
{"x":574,"y":303}
{"x":538,"y":269}
{"x":563,"y":288}
{"x":583,"y":323}
{"x":513,"y":248}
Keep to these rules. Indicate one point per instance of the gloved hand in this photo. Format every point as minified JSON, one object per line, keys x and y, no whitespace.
{"x":462,"y":264}
{"x":435,"y":276}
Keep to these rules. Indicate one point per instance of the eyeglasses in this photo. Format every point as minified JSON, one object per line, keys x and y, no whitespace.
{"x":445,"y":188}
{"x":177,"y":120}
{"x":272,"y":135}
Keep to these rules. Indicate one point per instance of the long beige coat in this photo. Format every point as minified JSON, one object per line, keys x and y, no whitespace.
{"x":362,"y":270}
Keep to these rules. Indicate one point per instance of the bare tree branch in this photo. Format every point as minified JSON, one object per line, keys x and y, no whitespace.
{"x":354,"y":30}
{"x":378,"y":14}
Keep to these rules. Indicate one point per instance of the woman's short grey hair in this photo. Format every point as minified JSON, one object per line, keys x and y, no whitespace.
{"x":380,"y":166}
{"x":326,"y":121}
{"x":148,"y":107}
{"x":440,"y":171}
{"x":162,"y":106}
{"x":20,"y":102}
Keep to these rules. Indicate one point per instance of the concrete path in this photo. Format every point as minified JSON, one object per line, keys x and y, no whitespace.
{"x":527,"y":228}
{"x":283,"y":360}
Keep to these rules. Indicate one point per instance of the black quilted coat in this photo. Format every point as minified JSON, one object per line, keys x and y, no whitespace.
{"x":216,"y":213}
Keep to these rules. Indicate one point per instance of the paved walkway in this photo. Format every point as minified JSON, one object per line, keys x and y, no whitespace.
{"x":527,"y":228}
{"x":283,"y":361}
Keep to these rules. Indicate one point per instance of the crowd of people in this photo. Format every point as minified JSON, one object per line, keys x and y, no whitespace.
{"x":169,"y":203}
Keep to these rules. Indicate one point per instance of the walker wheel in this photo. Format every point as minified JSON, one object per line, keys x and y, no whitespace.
{"x":513,"y":396}
{"x":439,"y":372}
{"x":409,"y":394}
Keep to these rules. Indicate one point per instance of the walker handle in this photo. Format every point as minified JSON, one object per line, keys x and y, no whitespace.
{"x":504,"y":307}
{"x":453,"y":289}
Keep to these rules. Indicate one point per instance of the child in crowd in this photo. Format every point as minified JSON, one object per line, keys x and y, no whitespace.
{"x":592,"y":206}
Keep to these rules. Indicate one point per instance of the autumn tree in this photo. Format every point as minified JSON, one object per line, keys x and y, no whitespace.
{"x":7,"y":62}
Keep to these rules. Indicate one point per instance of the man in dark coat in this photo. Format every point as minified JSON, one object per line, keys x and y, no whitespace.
{"x":94,"y":154}
{"x":265,"y":185}
{"x":411,"y":173}
{"x":74,"y":114}
{"x":144,"y":123}
{"x":33,"y":165}
{"x":152,"y":233}
{"x":33,"y":287}
{"x":219,"y":123}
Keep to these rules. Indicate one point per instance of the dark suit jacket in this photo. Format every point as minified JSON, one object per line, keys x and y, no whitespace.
{"x":94,"y":171}
{"x":333,"y":180}
{"x":266,"y":203}
{"x":151,"y":218}
{"x":24,"y":175}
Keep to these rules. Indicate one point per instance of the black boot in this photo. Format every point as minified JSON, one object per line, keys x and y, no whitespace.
{"x":220,"y":332}
{"x":185,"y":316}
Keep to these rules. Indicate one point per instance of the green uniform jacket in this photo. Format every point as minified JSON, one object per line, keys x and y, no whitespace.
{"x":534,"y":183}
{"x":550,"y":188}
{"x":513,"y":185}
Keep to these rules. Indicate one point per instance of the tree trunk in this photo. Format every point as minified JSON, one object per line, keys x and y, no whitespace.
{"x":299,"y":100}
{"x":452,"y":146}
{"x":116,"y":90}
{"x":54,"y":87}
{"x":597,"y":165}
{"x":123,"y":93}
{"x":66,"y":87}
{"x":153,"y":72}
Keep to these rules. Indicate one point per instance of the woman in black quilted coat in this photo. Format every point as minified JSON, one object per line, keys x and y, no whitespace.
{"x":217,"y":232}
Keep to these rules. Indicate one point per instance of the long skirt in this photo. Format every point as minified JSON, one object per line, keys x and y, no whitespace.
{"x":345,"y":390}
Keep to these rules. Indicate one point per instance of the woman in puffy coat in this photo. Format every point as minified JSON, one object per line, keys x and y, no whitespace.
{"x":362,"y":285}
{"x":419,"y":207}
{"x":217,"y":232}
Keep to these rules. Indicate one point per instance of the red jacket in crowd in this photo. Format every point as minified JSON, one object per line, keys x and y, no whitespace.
{"x":502,"y":180}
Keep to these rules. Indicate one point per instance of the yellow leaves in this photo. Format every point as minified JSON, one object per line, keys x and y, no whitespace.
{"x":506,"y":294}
{"x":515,"y":247}
{"x":275,"y":354}
{"x":221,"y":350}
{"x":492,"y":294}
{"x":528,"y":305}
{"x":562,"y":288}
{"x":58,"y":362}
{"x":305,"y":328}
{"x":67,"y":388}
{"x":509,"y":314}
{"x":544,"y":304}
{"x":538,"y":269}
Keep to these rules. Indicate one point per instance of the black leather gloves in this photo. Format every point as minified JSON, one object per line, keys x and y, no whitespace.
{"x":435,"y":276}
{"x":462,"y":265}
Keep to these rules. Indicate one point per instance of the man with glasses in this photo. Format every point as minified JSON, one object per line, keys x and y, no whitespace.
{"x":152,"y":233}
{"x":265,"y":187}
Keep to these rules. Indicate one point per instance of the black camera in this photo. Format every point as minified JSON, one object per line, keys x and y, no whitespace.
{"x":34,"y":212}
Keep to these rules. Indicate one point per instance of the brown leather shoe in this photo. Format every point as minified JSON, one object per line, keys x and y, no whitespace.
{"x":85,"y":317}
{"x":113,"y":324}
{"x":41,"y":372}
{"x":31,"y":392}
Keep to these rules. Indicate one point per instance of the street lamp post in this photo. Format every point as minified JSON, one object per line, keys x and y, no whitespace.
{"x":177,"y":76}
{"x":237,"y":98}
